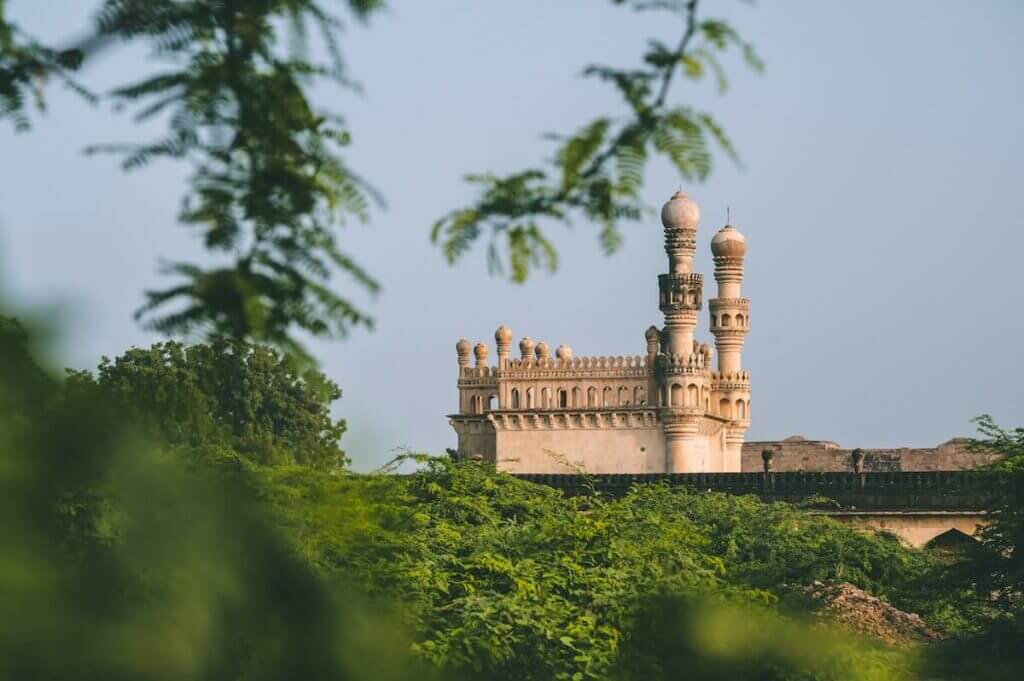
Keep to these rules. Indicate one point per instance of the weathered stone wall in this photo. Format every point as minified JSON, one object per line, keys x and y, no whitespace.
{"x":602,"y":451}
{"x":799,"y":454}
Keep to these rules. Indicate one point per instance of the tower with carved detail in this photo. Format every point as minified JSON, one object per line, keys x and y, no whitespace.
{"x":666,"y":411}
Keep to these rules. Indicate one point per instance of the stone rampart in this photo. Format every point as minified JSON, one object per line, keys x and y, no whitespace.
{"x":799,"y":454}
{"x":904,"y":491}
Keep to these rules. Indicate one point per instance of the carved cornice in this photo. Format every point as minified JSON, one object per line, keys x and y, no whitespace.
{"x":611,"y":418}
{"x":729,"y":304}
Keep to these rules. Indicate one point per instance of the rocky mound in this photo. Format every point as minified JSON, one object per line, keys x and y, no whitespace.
{"x":858,"y":611}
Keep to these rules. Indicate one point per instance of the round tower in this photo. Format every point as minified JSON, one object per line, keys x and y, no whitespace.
{"x":730,"y":322}
{"x":729,"y":312}
{"x":679,"y":370}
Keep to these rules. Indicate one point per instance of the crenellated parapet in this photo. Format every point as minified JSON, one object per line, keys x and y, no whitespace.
{"x":635,"y":365}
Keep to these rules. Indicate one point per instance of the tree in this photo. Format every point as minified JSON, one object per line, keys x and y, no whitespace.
{"x":269,"y":186}
{"x":247,"y":397}
{"x":597,"y":173}
{"x":179,"y":577}
{"x":25,"y":64}
{"x":993,"y":571}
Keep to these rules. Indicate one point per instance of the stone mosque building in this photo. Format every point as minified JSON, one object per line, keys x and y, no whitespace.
{"x":673,"y":409}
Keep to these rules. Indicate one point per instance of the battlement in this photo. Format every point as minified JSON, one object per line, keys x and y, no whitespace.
{"x":936,"y":490}
{"x":796,"y":453}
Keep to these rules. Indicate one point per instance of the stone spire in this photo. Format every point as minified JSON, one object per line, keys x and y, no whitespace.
{"x":679,"y":373}
{"x":730,"y":313}
{"x":730,"y":321}
{"x":680,"y":289}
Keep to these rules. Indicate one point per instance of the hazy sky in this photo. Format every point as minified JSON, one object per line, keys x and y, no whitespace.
{"x":882,"y":168}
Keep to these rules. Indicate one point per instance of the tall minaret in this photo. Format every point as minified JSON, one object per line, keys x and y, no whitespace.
{"x":676,"y":367}
{"x":730,"y":321}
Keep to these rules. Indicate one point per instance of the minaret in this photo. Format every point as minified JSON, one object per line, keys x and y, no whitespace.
{"x":680,"y":301}
{"x":730,"y":321}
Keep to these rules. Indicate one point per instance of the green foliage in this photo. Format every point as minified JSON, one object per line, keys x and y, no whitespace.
{"x":201,"y":561}
{"x":990,"y":580}
{"x":696,"y":638}
{"x":246,"y":397}
{"x":25,"y":64}
{"x":503,"y":579}
{"x":597,"y":173}
{"x":268,"y":187}
{"x":187,"y":580}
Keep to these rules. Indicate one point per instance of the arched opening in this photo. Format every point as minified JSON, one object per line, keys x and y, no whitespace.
{"x":606,"y":397}
{"x":529,"y":398}
{"x":726,"y":320}
{"x":638,"y":396}
{"x":724,"y":408}
{"x":592,"y":397}
{"x":691,"y":297}
{"x":544,"y":397}
{"x":575,"y":397}
{"x":515,"y":398}
{"x":692,"y":395}
{"x":741,"y":409}
{"x":490,"y":402}
{"x":677,"y":395}
{"x":623,"y":396}
{"x":739,"y":320}
{"x":563,"y":399}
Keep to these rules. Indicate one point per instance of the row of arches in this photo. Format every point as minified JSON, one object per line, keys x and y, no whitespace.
{"x":726,"y":320}
{"x":678,"y":297}
{"x":676,"y":395}
{"x":693,"y":395}
{"x":564,"y":398}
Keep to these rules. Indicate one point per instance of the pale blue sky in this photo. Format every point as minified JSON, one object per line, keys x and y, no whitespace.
{"x":883,"y":160}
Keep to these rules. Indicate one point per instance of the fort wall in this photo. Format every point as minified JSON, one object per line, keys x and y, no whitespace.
{"x":799,"y":454}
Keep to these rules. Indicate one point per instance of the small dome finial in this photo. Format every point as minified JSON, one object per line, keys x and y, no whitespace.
{"x":526,"y":347}
{"x":481,"y":354}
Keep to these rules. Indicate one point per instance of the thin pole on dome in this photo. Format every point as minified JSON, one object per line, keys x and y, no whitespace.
{"x":728,"y":219}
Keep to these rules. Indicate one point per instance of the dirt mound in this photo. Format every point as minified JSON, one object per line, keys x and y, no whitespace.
{"x":858,"y":611}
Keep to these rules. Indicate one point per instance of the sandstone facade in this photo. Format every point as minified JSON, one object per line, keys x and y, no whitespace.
{"x":670,"y":410}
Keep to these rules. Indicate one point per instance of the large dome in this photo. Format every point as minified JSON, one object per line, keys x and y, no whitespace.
{"x":680,"y":212}
{"x":729,"y":243}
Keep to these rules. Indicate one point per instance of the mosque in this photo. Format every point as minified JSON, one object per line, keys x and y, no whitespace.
{"x":670,"y":410}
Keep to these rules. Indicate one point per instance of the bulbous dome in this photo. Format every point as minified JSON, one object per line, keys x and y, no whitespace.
{"x":563,"y":352}
{"x":543,"y":350}
{"x":526,"y":346}
{"x":729,"y":242}
{"x":652,"y":335}
{"x":481,"y":352}
{"x":680,"y":212}
{"x":503,"y":334}
{"x":463,"y":347}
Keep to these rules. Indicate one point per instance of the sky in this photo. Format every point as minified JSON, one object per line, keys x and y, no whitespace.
{"x":882,"y":159}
